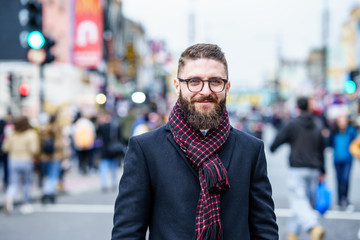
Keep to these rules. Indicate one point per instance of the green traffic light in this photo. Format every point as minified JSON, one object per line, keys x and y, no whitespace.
{"x":350,"y":87}
{"x":35,"y":39}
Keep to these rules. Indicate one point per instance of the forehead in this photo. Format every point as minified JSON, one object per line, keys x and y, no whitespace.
{"x":203,"y":67}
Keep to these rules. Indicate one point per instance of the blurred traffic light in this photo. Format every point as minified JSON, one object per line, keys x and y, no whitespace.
{"x":42,"y":54}
{"x":351,"y":82}
{"x":33,"y":13}
{"x":24,"y":89}
{"x":350,"y":86}
{"x":49,"y":43}
{"x":35,"y":40}
{"x":38,"y":44}
{"x":10,"y":78}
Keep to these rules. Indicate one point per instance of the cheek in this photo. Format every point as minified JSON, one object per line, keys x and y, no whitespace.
{"x":187,"y":95}
{"x":219,"y":97}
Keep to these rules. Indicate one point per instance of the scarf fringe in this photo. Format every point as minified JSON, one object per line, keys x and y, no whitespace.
{"x":219,"y":182}
{"x":212,"y":232}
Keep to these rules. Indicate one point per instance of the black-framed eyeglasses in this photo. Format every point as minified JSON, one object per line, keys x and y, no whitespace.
{"x":216,"y":85}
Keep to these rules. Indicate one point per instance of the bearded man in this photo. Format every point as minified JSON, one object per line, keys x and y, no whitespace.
{"x":197,"y":177}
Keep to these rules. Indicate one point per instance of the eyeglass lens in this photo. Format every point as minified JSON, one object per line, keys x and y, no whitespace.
{"x":196,"y":85}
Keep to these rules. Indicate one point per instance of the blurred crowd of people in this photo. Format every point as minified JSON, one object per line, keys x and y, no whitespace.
{"x":97,"y":145}
{"x":339,"y":134}
{"x":309,"y":132}
{"x":42,"y":154}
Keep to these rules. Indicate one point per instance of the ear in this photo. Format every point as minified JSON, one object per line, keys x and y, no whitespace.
{"x":228,"y":87}
{"x":177,"y":87}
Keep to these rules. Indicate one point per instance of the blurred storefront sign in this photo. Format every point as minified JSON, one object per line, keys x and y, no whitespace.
{"x":357,"y":43}
{"x":335,"y":79}
{"x":242,"y":101}
{"x":336,"y":71}
{"x":88,"y":42}
{"x":114,"y":66}
{"x":130,"y":57}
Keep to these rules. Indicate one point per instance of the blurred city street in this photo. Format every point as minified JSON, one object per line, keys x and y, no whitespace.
{"x":78,"y":78}
{"x":338,"y":224}
{"x":85,"y":212}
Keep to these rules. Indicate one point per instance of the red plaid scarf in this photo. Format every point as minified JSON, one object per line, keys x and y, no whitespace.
{"x":201,"y":151}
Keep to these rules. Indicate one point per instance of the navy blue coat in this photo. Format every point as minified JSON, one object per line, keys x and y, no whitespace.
{"x":159,"y":190}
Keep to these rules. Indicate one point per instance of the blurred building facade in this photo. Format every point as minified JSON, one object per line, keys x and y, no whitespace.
{"x":116,"y":61}
{"x":125,"y":60}
{"x":324,"y":74}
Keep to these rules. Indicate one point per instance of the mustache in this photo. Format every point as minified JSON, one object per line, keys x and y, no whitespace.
{"x":207,"y":98}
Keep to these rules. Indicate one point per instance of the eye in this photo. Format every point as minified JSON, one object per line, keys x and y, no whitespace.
{"x":195,"y":81}
{"x":215,"y":81}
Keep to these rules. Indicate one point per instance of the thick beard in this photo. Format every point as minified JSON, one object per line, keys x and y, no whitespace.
{"x":199,"y":120}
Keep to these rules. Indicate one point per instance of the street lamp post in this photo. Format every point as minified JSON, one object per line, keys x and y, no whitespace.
{"x":192,"y":27}
{"x":325,"y":34}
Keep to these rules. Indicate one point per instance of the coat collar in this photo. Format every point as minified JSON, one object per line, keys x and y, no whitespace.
{"x":225,"y":151}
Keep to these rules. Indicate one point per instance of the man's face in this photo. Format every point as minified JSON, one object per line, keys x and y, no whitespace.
{"x":205,"y":108}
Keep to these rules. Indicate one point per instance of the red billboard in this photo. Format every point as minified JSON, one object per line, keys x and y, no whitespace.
{"x":88,"y":35}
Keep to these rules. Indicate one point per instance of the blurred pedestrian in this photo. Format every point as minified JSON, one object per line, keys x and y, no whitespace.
{"x":3,"y":155}
{"x":355,"y":147}
{"x":21,"y":145}
{"x":355,"y":152}
{"x":6,"y":127}
{"x":84,"y":138}
{"x":127,"y":124}
{"x":52,"y":153}
{"x":196,"y":177}
{"x":251,"y":123}
{"x":142,"y":126}
{"x":340,"y":139}
{"x":68,"y":150}
{"x":306,"y":170}
{"x":109,"y":133}
{"x":319,"y":115}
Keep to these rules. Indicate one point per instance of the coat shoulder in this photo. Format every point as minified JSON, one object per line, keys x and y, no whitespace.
{"x":153,"y":136}
{"x":244,"y":137}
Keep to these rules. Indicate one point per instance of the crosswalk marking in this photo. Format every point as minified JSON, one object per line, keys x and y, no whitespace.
{"x":108,"y":208}
{"x":74,"y":208}
{"x":331,"y":214}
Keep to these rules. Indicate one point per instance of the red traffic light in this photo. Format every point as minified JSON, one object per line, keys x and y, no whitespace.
{"x":24,"y":89}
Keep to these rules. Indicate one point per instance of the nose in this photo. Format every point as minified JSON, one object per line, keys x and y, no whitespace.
{"x":206,"y":89}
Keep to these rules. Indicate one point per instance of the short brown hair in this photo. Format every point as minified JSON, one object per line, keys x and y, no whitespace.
{"x":21,"y":124}
{"x":202,"y":50}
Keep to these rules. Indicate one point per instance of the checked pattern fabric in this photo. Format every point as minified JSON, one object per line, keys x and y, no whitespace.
{"x":201,"y":151}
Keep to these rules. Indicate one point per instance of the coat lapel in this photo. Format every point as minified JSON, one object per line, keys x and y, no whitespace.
{"x":180,"y":152}
{"x":226,"y":151}
{"x":182,"y":155}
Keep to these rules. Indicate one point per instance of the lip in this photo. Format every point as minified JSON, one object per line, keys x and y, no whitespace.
{"x":205,"y":102}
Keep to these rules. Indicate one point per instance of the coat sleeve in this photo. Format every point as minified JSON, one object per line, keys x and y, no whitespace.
{"x":34,"y":147}
{"x":6,"y":144}
{"x":133,"y":203}
{"x":262,"y":219}
{"x":283,"y":136}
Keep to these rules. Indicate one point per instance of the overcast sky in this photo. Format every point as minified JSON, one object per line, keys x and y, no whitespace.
{"x":251,"y":33}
